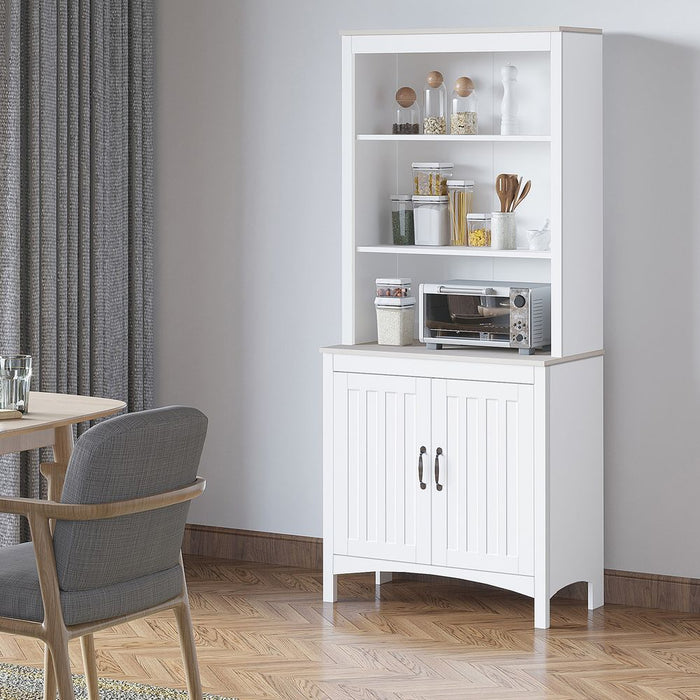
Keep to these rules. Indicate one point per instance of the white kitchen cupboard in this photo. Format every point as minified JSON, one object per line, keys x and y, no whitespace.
{"x":394,"y":437}
{"x":517,"y":440}
{"x":518,"y":444}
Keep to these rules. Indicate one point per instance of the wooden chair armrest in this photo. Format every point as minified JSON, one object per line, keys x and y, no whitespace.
{"x":99,"y":511}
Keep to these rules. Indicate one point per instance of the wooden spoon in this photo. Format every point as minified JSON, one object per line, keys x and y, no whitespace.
{"x":502,"y":185}
{"x":510,"y":187}
{"x":523,"y":194}
{"x":512,"y":191}
{"x":517,"y":192}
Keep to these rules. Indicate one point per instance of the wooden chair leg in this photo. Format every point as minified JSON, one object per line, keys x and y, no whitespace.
{"x":58,"y":643}
{"x":189,"y":652}
{"x":49,"y":675}
{"x":87,"y":645}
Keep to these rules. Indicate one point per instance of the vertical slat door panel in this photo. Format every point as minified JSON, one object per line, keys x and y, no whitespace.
{"x":382,"y":421}
{"x":483,"y":517}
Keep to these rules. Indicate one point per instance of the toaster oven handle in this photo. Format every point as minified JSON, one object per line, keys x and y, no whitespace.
{"x":482,"y":291}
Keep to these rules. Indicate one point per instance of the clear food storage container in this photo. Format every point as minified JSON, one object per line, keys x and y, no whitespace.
{"x":406,"y":113}
{"x":395,"y":323}
{"x":459,"y":196}
{"x":432,"y":220}
{"x":402,"y":219}
{"x":463,"y":118}
{"x":435,"y":104}
{"x":393,"y":287}
{"x":430,"y":179}
{"x":479,"y":230}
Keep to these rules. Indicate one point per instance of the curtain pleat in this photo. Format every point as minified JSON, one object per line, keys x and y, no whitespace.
{"x":76,"y":205}
{"x":10,"y":187}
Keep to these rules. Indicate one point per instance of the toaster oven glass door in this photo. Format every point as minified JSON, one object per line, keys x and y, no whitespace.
{"x":468,"y":319}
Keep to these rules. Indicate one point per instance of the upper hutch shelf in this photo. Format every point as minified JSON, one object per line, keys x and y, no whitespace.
{"x":456,"y":251}
{"x":488,"y":138}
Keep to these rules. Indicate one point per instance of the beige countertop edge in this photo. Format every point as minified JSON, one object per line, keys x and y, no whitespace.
{"x":485,"y":30}
{"x":495,"y":356}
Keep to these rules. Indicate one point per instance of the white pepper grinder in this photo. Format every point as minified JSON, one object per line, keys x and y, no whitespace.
{"x":509,"y":105}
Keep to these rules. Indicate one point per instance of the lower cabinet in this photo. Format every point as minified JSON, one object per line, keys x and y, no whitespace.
{"x":434,"y":471}
{"x":437,"y":474}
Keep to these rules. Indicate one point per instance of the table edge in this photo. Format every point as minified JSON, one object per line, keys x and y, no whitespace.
{"x":18,"y":429}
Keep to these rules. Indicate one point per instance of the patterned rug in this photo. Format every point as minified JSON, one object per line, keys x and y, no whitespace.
{"x":27,"y":683}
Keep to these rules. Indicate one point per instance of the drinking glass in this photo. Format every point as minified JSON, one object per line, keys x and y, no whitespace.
{"x":15,"y":377}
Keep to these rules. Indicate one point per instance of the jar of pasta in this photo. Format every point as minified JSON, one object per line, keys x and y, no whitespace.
{"x":430,"y":179}
{"x":459,"y":194}
{"x":479,"y":230}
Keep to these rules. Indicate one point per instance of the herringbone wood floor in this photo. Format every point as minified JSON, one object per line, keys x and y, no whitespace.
{"x":263,"y":632}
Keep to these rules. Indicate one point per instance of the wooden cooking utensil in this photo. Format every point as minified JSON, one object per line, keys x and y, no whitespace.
{"x":517,"y":192}
{"x":502,"y":184}
{"x":523,"y":194}
{"x":512,"y":191}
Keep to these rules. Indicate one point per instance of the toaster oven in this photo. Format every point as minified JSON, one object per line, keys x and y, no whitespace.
{"x":489,"y":314}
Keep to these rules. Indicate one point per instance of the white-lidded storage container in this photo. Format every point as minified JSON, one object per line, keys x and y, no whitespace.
{"x":393,"y":287}
{"x":479,"y":230}
{"x":459,"y":195}
{"x":395,"y":323}
{"x":430,"y":179}
{"x":431,"y":220}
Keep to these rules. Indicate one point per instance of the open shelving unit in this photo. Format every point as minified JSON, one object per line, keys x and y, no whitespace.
{"x":559,"y":161}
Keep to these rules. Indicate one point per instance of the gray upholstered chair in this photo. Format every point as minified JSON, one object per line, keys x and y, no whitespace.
{"x":114,"y":554}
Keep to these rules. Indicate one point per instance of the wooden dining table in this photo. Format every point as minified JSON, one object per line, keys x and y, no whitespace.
{"x":49,"y":423}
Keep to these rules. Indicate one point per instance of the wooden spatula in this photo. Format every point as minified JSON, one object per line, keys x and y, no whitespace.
{"x":502,"y":186}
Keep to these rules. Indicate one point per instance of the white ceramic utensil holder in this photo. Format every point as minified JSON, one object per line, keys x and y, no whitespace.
{"x":503,"y":230}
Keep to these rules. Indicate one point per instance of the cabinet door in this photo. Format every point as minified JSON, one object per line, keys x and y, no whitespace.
{"x":483,"y":515}
{"x":380,"y":423}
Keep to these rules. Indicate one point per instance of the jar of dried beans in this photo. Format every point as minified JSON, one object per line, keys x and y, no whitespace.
{"x":406,"y":114}
{"x":435,"y":107}
{"x":463,"y":120}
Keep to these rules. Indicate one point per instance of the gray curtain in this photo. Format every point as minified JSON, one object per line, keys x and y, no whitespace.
{"x":76,"y":204}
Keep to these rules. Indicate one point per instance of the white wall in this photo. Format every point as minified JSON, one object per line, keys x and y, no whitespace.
{"x":249,"y":249}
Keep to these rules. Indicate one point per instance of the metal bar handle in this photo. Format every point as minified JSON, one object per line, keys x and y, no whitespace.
{"x":422,"y":483}
{"x":438,"y":485}
{"x":483,"y":291}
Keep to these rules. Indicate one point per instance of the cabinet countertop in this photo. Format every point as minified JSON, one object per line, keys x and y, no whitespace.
{"x":489,"y":355}
{"x":471,"y":30}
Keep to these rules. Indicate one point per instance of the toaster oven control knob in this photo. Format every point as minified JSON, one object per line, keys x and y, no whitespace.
{"x":519,"y":337}
{"x":519,"y":301}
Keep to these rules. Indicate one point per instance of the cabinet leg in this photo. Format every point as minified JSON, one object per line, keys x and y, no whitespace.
{"x":596,"y":593}
{"x":382,"y":577}
{"x":542,"y":612}
{"x":330,"y":587}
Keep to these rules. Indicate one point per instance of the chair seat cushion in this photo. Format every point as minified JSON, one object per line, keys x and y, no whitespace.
{"x":21,"y":596}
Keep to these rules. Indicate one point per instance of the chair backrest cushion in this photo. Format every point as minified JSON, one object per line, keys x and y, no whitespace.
{"x":130,"y":456}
